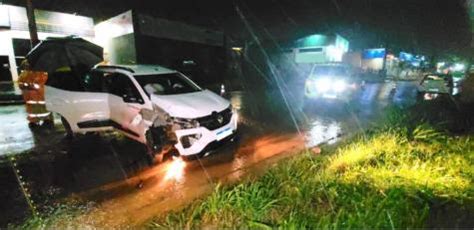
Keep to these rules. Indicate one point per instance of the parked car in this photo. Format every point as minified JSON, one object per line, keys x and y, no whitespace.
{"x":156,"y":106}
{"x":432,"y":85}
{"x":331,"y":81}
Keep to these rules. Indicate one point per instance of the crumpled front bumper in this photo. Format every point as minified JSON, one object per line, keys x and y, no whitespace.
{"x":206,"y":137}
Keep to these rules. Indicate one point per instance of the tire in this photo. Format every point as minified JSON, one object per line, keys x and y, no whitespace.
{"x":33,"y":125}
{"x":169,"y":155}
{"x":150,"y":156}
{"x":150,"y":159}
{"x":49,"y":124}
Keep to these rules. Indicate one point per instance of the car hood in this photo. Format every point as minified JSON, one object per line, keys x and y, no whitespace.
{"x":191,"y":105}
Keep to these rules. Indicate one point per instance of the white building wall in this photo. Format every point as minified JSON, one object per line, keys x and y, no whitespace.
{"x":6,"y":39}
{"x":14,"y":25}
{"x":374,"y":64}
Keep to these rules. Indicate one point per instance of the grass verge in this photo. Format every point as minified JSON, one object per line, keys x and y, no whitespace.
{"x":390,"y":178}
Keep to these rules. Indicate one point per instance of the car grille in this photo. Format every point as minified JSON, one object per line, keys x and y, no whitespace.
{"x":212,"y":122}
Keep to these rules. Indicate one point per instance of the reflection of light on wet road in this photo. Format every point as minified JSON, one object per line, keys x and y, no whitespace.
{"x":369,"y":93}
{"x":321,"y":132}
{"x":15,"y":136}
{"x":175,"y":169}
{"x":405,"y":94}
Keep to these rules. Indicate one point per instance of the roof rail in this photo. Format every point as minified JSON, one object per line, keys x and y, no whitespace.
{"x":115,"y":67}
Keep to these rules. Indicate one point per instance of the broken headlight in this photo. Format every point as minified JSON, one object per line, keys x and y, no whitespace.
{"x":184,"y":123}
{"x":189,"y":140}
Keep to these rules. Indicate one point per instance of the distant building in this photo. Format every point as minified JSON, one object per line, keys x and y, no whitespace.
{"x":373,"y":59}
{"x":132,"y":37}
{"x":15,"y":37}
{"x":319,"y":48}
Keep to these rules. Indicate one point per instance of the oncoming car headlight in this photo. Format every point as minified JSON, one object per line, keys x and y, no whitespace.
{"x":326,"y":84}
{"x":323,"y":84}
{"x":339,"y":86}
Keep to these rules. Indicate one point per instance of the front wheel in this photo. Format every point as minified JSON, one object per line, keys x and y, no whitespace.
{"x":170,"y":154}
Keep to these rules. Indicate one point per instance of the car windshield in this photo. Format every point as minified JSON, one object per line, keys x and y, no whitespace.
{"x":166,"y":84}
{"x":329,"y":71}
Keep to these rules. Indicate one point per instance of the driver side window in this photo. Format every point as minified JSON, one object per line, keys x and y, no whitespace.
{"x":120,"y":85}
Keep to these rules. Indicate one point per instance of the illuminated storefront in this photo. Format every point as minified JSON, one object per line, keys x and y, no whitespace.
{"x":318,"y":48}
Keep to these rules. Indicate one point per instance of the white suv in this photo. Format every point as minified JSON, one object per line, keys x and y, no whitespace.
{"x":154,"y":105}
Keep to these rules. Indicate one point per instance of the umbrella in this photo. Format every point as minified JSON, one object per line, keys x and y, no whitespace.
{"x":54,"y":53}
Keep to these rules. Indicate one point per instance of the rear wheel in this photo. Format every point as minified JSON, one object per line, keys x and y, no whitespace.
{"x":33,"y":125}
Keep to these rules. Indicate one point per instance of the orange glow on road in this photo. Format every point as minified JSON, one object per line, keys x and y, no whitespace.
{"x":175,"y":169}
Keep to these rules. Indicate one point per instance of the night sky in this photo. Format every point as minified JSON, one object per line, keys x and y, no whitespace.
{"x":421,"y":26}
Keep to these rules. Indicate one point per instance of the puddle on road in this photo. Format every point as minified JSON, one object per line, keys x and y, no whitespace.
{"x":15,"y":135}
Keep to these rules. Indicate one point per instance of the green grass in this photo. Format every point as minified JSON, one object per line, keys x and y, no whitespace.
{"x":58,"y":216}
{"x":387,"y":179}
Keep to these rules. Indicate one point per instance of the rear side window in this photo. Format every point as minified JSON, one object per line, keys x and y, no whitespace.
{"x":65,"y":81}
{"x":92,"y":82}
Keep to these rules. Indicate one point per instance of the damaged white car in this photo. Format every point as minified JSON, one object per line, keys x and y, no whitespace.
{"x":156,"y":106}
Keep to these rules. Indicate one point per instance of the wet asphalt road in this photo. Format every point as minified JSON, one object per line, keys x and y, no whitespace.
{"x":112,"y":170}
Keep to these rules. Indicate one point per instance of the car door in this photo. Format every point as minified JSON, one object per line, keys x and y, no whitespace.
{"x":79,"y":100}
{"x":125,"y":101}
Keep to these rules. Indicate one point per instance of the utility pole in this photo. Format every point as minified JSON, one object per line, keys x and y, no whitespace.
{"x":469,"y":4}
{"x":30,"y":12}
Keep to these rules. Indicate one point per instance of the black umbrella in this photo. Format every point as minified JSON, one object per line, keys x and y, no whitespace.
{"x":54,"y":53}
